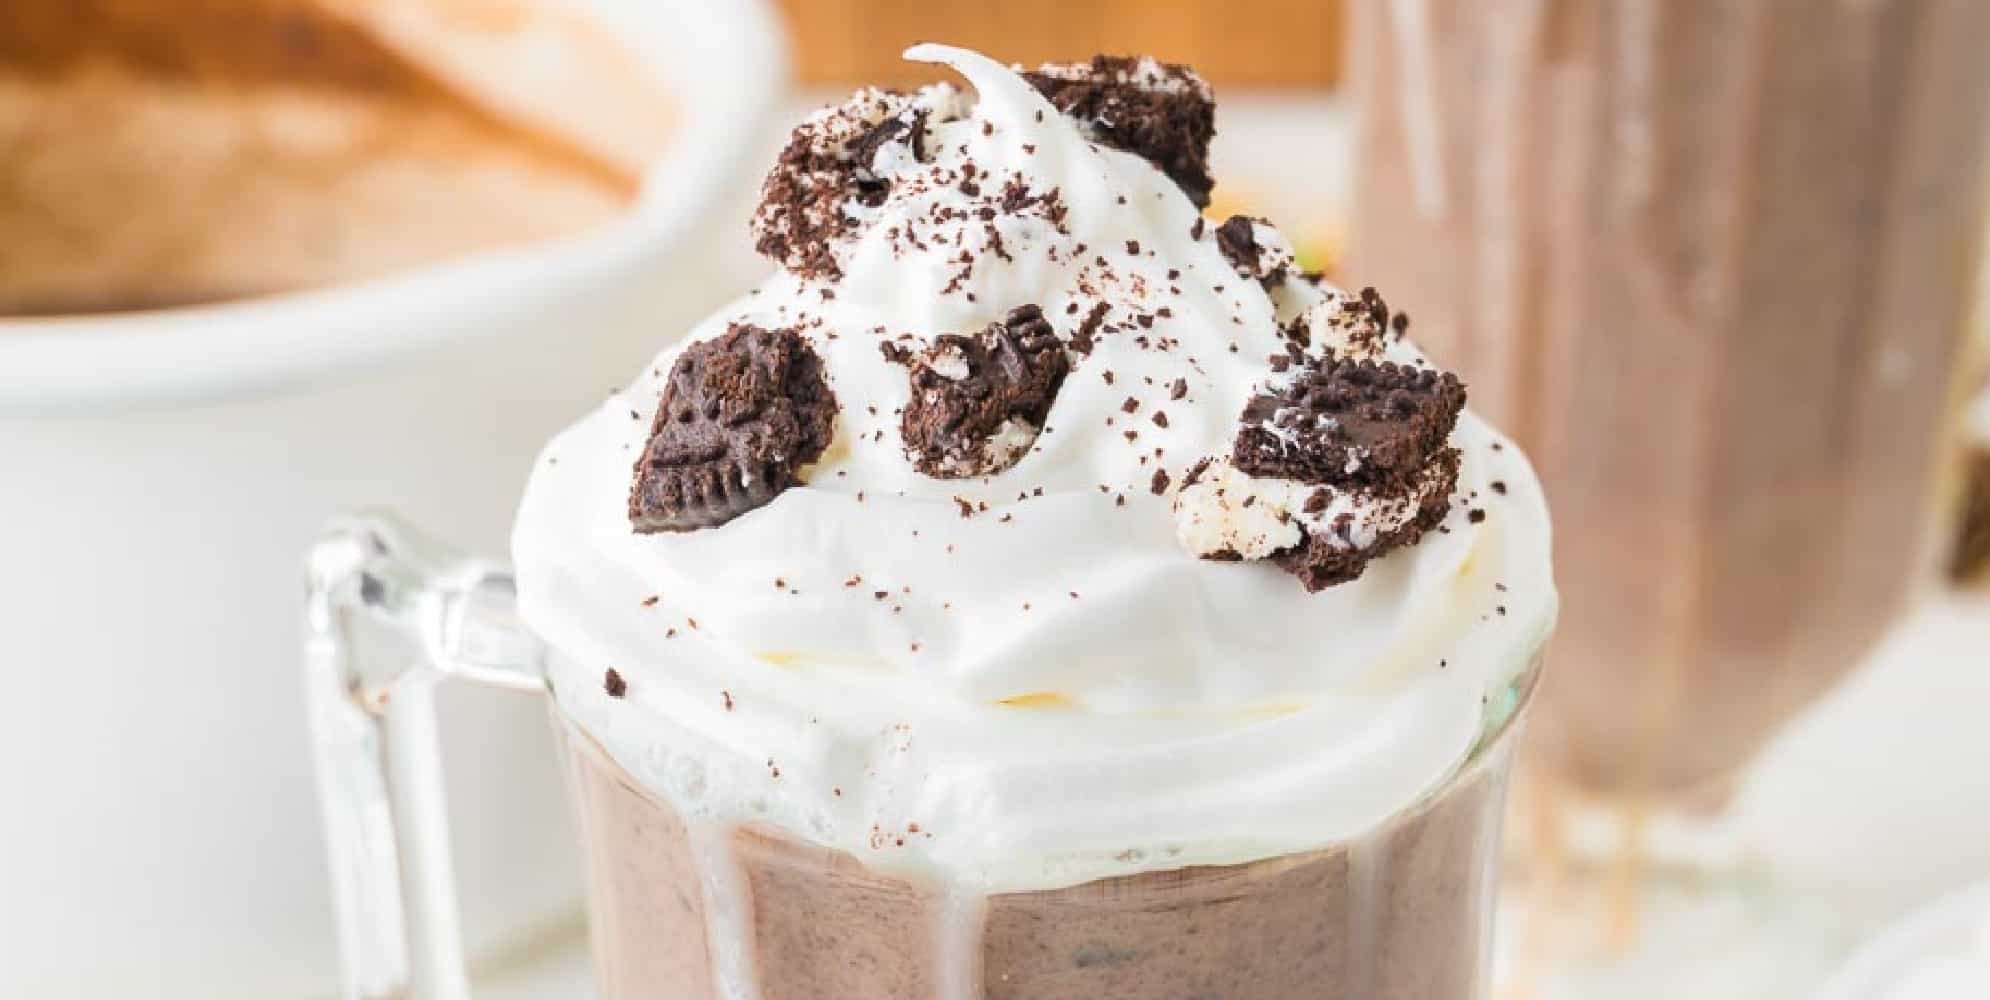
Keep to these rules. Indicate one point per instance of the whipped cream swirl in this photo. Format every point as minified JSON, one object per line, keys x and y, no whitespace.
{"x":1024,"y":680}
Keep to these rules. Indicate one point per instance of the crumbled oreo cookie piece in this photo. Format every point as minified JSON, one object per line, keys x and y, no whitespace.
{"x":1161,"y":112}
{"x":1347,"y":460}
{"x":1255,"y":249}
{"x":979,"y":400}
{"x":1338,"y":549}
{"x":741,"y":414}
{"x":1356,"y":326}
{"x":1351,"y":423}
{"x":836,"y":160}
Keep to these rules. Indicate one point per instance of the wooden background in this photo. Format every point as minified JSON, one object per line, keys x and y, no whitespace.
{"x":1239,"y":43}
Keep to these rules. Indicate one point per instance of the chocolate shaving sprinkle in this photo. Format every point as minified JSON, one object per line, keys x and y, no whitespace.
{"x":1161,"y":112}
{"x":979,"y":401}
{"x":613,"y":683}
{"x":1195,"y":472}
{"x":1088,"y":329}
{"x":741,"y":414}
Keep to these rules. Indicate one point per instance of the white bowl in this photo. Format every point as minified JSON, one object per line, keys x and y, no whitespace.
{"x":160,"y":476}
{"x":1938,"y":952}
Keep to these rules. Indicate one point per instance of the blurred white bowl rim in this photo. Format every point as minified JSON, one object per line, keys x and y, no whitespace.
{"x":726,"y":87}
{"x":1932,"y":932}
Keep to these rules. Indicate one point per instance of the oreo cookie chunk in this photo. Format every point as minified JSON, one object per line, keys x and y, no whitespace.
{"x":1257,"y":251}
{"x":835,"y":162}
{"x":1337,"y":549}
{"x":740,"y":414}
{"x":979,"y":400}
{"x":1350,"y":423}
{"x":1161,"y":112}
{"x":1344,"y":463}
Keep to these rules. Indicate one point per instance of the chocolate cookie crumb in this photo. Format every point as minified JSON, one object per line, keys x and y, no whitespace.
{"x":979,"y":401}
{"x":740,"y":415}
{"x":1161,"y":112}
{"x":1088,"y":330}
{"x":1239,"y":240}
{"x":613,"y":683}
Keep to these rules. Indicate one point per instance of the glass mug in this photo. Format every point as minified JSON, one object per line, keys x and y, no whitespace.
{"x":1713,"y":263}
{"x":685,"y":909}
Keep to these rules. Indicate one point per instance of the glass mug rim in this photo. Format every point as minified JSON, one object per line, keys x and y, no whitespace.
{"x":1483,"y":753}
{"x":393,"y":884}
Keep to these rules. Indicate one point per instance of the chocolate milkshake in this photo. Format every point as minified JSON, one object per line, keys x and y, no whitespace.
{"x":1036,"y":590}
{"x":1399,"y":911}
{"x":1711,"y":261}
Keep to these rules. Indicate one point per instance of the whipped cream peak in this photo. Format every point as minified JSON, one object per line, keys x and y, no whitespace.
{"x":979,"y":606}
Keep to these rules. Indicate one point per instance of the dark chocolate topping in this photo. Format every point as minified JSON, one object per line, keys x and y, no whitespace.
{"x":1168,"y":122}
{"x":1012,"y":371}
{"x":740,"y":415}
{"x":828,"y":161}
{"x":1357,"y":424}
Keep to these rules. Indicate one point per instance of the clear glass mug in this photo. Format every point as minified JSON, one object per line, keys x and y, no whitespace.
{"x":682,"y":909}
{"x":1713,"y":263}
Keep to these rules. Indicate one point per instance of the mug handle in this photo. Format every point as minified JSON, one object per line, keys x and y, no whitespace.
{"x":373,"y":732}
